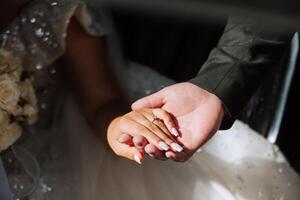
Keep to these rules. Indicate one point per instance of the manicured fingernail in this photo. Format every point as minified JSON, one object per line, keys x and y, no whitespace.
{"x":163,"y":145}
{"x":137,"y":159}
{"x":151,"y":155}
{"x":174,"y":132}
{"x":176,"y":147}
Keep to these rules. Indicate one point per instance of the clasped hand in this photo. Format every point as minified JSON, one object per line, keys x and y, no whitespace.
{"x":188,"y":117}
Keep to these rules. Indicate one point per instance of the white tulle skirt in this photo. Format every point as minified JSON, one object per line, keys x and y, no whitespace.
{"x":237,"y":164}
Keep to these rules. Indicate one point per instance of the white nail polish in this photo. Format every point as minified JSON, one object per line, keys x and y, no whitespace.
{"x":176,"y":147}
{"x":174,"y":132}
{"x":151,"y":155}
{"x":163,"y":145}
{"x":137,"y":159}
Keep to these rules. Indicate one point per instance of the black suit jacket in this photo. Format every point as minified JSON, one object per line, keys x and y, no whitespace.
{"x":234,"y":56}
{"x":243,"y":58}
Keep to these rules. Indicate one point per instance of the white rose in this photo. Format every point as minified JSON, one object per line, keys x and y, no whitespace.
{"x":9,"y":94}
{"x":9,"y":135}
{"x":10,"y":65}
{"x":4,"y":119}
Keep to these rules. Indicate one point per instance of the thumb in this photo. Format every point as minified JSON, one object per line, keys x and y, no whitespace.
{"x":155,"y":100}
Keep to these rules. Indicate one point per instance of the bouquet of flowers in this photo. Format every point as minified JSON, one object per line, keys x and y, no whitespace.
{"x":18,"y":103}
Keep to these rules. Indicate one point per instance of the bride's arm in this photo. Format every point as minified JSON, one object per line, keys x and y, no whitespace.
{"x":91,"y":76}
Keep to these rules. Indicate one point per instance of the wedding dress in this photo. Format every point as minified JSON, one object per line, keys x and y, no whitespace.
{"x":69,"y":161}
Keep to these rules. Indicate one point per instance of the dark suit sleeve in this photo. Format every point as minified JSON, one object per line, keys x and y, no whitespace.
{"x":236,"y":67}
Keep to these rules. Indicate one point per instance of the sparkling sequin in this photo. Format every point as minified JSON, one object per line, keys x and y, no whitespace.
{"x":46,"y":188}
{"x":23,"y":19}
{"x":33,"y":20}
{"x":39,"y":67}
{"x":43,"y":105}
{"x":39,"y":32}
{"x":53,"y":71}
{"x":54,"y":3}
{"x":45,"y":39}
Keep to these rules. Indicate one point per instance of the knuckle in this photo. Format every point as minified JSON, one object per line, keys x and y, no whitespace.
{"x":152,"y":127}
{"x":140,"y":130}
{"x":123,"y":122}
{"x":148,"y":124}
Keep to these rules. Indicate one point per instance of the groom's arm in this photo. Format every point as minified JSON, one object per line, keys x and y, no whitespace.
{"x":236,"y":67}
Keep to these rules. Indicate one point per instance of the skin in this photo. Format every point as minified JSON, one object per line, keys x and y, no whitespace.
{"x":129,"y":134}
{"x":100,"y":99}
{"x":90,"y":52}
{"x":197,"y":112}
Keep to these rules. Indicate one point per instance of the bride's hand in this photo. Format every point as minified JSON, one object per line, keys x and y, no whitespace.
{"x":143,"y":123}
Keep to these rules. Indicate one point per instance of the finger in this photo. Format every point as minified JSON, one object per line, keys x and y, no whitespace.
{"x":178,"y":157}
{"x":154,"y":152}
{"x":149,"y":115}
{"x":166,"y":140}
{"x":134,"y":127}
{"x":167,"y":119}
{"x":139,"y":142}
{"x":125,"y":139}
{"x":155,"y":100}
{"x":131,"y":153}
{"x":161,"y":130}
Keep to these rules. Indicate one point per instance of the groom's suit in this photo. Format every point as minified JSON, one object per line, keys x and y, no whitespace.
{"x":239,"y":63}
{"x":233,"y":61}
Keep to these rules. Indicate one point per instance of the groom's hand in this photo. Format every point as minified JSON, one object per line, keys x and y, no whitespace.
{"x":197,"y":112}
